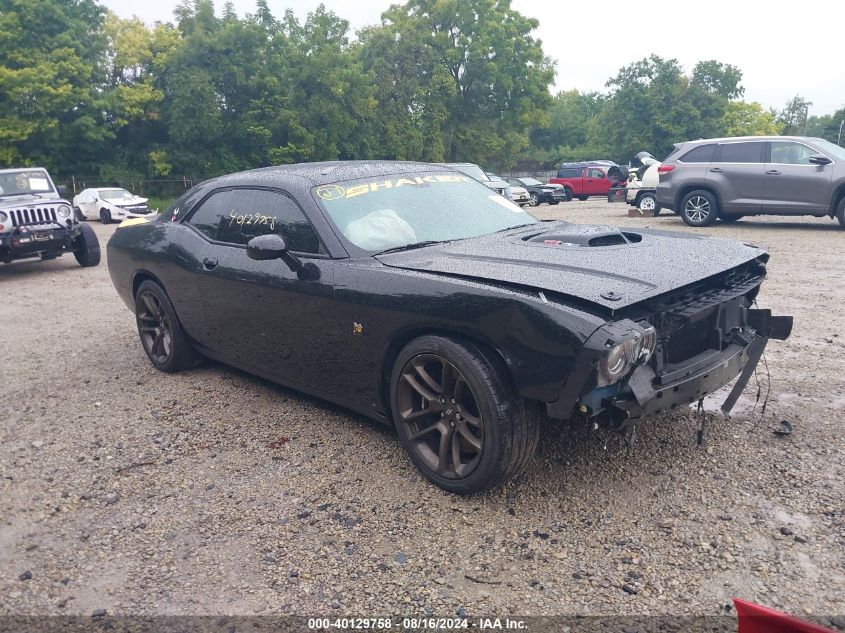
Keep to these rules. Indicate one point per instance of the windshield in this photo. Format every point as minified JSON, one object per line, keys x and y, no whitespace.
{"x":25,"y":181}
{"x":114,"y":194}
{"x":470,"y":170}
{"x":376,"y":214}
{"x":530,"y":182}
{"x":831,"y":148}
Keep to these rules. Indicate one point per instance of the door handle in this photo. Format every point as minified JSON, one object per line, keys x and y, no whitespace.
{"x":773,"y":172}
{"x":717,"y":170}
{"x":209,"y":263}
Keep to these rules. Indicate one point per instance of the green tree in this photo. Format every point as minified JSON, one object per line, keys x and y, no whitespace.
{"x":52,"y":61}
{"x":794,"y":116}
{"x":478,"y":79}
{"x":749,"y":119}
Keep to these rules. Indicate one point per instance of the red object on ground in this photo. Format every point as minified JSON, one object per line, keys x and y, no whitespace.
{"x":756,"y":619}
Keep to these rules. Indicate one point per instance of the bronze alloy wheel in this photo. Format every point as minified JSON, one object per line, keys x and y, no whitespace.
{"x":443,"y":420}
{"x":154,"y":327}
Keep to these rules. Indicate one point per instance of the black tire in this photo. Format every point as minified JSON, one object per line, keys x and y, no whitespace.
{"x":162,"y":337}
{"x":840,"y":213}
{"x":582,"y":198}
{"x":105,"y":216}
{"x":699,"y":208}
{"x":568,"y":192}
{"x":484,"y":421}
{"x":730,"y":218}
{"x":535,"y":200}
{"x":86,"y":247}
{"x":647,"y":203}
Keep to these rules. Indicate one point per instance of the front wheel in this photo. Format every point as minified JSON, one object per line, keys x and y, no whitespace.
{"x":699,"y":208}
{"x":165,"y":342}
{"x":458,"y":416}
{"x":535,"y":200}
{"x":86,"y":247}
{"x":105,"y":216}
{"x":840,"y":213}
{"x":647,"y":203}
{"x":567,"y":194}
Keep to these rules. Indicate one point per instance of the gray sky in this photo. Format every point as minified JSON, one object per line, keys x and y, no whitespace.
{"x":783,"y":49}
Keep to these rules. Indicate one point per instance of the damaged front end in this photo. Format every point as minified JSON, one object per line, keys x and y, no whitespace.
{"x":673,"y":351}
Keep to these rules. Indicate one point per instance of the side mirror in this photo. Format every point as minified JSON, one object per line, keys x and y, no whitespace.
{"x":272,"y":246}
{"x":62,"y":189}
{"x":819,"y":159}
{"x":266,"y":247}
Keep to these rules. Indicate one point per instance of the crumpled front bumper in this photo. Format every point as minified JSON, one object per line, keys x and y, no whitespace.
{"x":645,"y":393}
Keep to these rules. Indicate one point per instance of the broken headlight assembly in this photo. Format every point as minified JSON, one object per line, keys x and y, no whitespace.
{"x":622,"y":356}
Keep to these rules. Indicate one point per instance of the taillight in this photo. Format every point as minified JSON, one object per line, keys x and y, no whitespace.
{"x":665,"y":169}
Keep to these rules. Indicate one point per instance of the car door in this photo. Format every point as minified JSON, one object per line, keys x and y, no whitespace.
{"x":595,"y":181}
{"x":736,"y":174}
{"x":86,"y":199}
{"x":793,"y":184}
{"x":260,"y":315}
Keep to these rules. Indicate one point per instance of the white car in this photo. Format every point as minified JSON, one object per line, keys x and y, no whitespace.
{"x":518,"y":194}
{"x":109,"y":204}
{"x":642,"y":184}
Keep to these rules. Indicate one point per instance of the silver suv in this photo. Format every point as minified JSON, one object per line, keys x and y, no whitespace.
{"x":728,"y":178}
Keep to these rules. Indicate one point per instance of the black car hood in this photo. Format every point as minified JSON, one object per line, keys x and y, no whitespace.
{"x":599,"y":264}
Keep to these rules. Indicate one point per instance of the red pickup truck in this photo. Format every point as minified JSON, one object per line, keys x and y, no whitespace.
{"x":585,"y":179}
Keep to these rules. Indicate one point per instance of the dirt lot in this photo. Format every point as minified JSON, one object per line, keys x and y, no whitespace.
{"x":125,"y":489}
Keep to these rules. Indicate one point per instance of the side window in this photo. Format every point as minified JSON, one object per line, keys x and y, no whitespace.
{"x":790,"y":153}
{"x":595,"y":173}
{"x":741,"y":152}
{"x":701,"y":154}
{"x":569,"y":172}
{"x":237,"y":215}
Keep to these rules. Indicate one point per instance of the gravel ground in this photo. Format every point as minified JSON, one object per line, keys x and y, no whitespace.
{"x":213,"y":492}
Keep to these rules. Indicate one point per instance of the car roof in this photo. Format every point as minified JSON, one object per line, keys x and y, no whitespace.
{"x":329,"y":171}
{"x":590,"y":163}
{"x":750,"y":138}
{"x":29,"y":168}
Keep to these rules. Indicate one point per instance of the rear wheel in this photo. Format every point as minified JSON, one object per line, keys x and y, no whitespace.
{"x":647,"y":203}
{"x":165,"y":343}
{"x":105,"y":216}
{"x":699,"y":208}
{"x":458,"y":415}
{"x":840,"y":212}
{"x":582,"y":198}
{"x":86,"y":247}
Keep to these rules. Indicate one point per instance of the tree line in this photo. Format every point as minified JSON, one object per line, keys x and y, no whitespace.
{"x":85,"y":92}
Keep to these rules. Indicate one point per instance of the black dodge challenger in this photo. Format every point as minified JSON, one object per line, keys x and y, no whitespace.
{"x":415,"y":295}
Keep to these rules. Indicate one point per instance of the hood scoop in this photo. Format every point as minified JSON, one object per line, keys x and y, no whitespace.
{"x":585,"y":236}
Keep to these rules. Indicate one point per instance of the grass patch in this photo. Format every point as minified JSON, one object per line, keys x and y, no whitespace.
{"x":162,"y":204}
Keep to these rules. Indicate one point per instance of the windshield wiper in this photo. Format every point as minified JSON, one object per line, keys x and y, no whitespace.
{"x":408,"y":247}
{"x":511,"y":228}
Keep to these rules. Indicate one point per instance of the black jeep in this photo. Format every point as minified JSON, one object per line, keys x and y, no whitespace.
{"x":35,"y":221}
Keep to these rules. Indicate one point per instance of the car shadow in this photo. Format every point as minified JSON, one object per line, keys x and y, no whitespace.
{"x":34,"y":267}
{"x":820,"y":226}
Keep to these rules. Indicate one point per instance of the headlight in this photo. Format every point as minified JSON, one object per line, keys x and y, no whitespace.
{"x":623,"y":356}
{"x":63,"y":211}
{"x":3,"y":216}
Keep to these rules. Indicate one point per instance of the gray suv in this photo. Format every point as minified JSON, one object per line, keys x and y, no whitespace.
{"x":729,"y":178}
